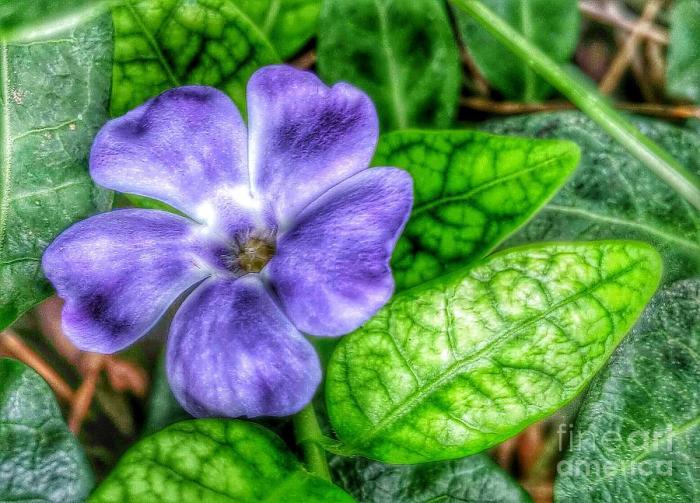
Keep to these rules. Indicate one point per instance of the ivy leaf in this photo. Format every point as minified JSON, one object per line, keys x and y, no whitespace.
{"x":637,"y":437}
{"x":471,"y":191}
{"x":400,"y":52}
{"x":683,"y":69}
{"x":612,"y":195}
{"x":40,"y":459}
{"x":213,"y":460}
{"x":161,"y":44}
{"x":34,"y":19}
{"x":288,"y":24}
{"x":553,"y":26}
{"x":457,"y":365}
{"x":53,"y":95}
{"x":474,"y":479}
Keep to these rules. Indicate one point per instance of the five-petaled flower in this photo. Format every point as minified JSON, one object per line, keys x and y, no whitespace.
{"x":287,"y":231}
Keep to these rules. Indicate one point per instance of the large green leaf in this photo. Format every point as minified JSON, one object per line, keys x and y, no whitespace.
{"x":161,"y":44}
{"x":40,"y":459}
{"x":54,"y":96}
{"x":289,"y":24}
{"x":401,"y":52}
{"x":612,"y":195}
{"x":475,"y":479}
{"x":213,"y":460}
{"x":637,"y":437}
{"x":31,"y":19}
{"x":471,"y":191}
{"x":552,"y":25}
{"x":683,"y":69}
{"x":452,"y":367}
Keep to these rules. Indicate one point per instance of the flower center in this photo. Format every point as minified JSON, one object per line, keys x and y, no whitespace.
{"x":254,"y":253}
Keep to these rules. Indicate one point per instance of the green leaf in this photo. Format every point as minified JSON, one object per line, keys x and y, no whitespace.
{"x":552,"y":25}
{"x":40,"y":459}
{"x":475,"y":479}
{"x":637,"y":437}
{"x":612,"y":195}
{"x":213,"y":460}
{"x":29,"y":20}
{"x":471,"y":191}
{"x":400,"y":52}
{"x":53,"y":95}
{"x":163,"y":408}
{"x":457,"y":365}
{"x":289,"y":24}
{"x":683,"y":69}
{"x":161,"y":44}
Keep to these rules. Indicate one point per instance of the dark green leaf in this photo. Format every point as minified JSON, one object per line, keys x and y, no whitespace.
{"x":32,"y":19}
{"x":637,"y":437}
{"x":552,"y":25}
{"x":401,"y":52}
{"x":454,"y":366}
{"x":54,"y":96}
{"x":40,"y":460}
{"x":163,"y":408}
{"x":161,"y":44}
{"x":612,"y":195}
{"x":471,"y":191}
{"x":475,"y":479}
{"x":213,"y":460}
{"x":289,"y":24}
{"x":683,"y":69}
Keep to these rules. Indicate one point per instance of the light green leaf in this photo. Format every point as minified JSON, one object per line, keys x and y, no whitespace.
{"x":54,"y":96}
{"x":213,"y":460}
{"x":683,"y":69}
{"x":400,"y":52}
{"x":35,"y":19}
{"x":471,"y":191}
{"x":457,"y":365}
{"x":289,"y":24}
{"x":475,"y":479}
{"x":40,"y":459}
{"x":552,"y":25}
{"x":161,"y":44}
{"x":612,"y":194}
{"x":637,"y":437}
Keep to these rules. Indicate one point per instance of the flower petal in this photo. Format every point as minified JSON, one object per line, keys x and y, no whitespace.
{"x":331,"y":272}
{"x":186,"y":147}
{"x":304,"y":136}
{"x":118,"y":272}
{"x":232,"y":353}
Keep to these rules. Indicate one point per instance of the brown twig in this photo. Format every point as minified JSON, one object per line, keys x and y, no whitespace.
{"x":91,"y":366}
{"x":594,"y":11}
{"x":14,"y":346}
{"x":481,"y":85}
{"x":676,"y":112}
{"x":621,"y":61}
{"x":305,"y":61}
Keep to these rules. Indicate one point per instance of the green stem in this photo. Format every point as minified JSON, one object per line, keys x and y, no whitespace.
{"x":307,"y":430}
{"x":593,"y":104}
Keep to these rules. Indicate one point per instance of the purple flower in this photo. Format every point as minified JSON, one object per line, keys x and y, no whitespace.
{"x":286,"y":232}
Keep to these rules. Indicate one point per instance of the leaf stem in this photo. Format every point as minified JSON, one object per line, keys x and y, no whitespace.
{"x":593,"y":104}
{"x":307,"y":431}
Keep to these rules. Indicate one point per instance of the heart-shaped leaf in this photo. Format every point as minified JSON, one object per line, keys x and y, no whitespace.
{"x":400,"y":52}
{"x":40,"y":460}
{"x":53,"y":95}
{"x":474,"y":479}
{"x":471,"y":191}
{"x":637,"y":437}
{"x":213,"y":460}
{"x":457,"y":365}
{"x":159,"y":44}
{"x":683,"y":69}
{"x":612,"y":195}
{"x":552,"y":25}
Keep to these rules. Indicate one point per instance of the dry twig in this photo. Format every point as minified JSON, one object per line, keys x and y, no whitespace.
{"x":91,"y":366}
{"x":594,"y":11}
